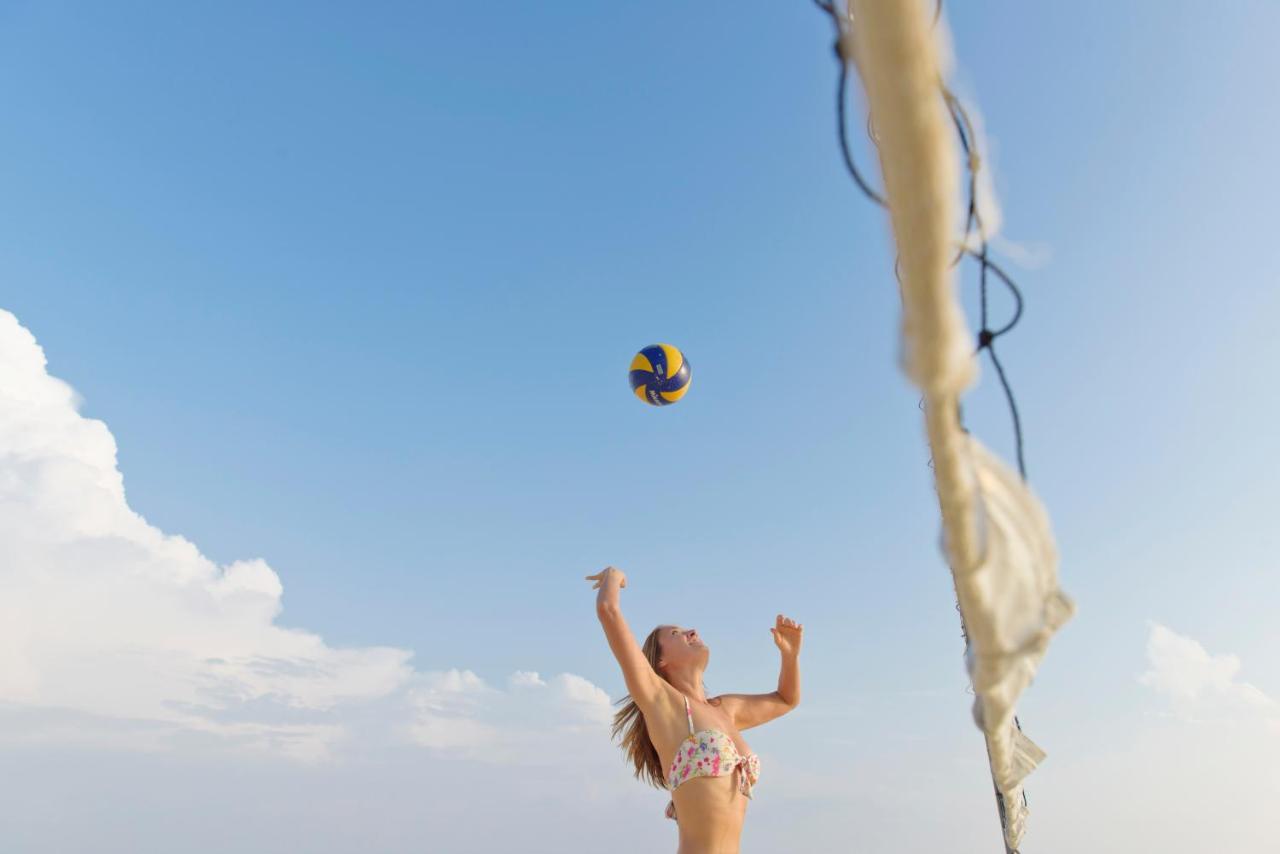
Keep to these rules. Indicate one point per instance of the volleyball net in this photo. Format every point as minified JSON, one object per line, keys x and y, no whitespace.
{"x":997,"y":536}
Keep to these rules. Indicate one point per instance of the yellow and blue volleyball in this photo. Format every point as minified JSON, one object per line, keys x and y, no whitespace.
{"x":660,"y":374}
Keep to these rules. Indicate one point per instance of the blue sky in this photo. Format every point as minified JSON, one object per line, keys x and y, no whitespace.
{"x":355,"y":290}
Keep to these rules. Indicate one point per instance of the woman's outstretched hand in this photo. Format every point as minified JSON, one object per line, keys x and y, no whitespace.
{"x":787,"y":634}
{"x":607,"y":576}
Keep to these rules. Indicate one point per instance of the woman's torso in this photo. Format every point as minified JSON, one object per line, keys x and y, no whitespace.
{"x":709,"y":809}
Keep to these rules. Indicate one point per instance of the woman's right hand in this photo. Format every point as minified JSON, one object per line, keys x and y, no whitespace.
{"x":610,"y":575}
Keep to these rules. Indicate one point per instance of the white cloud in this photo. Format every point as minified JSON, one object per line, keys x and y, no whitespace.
{"x":114,"y":632}
{"x":101,"y":612}
{"x":526,"y":678}
{"x":534,"y":721}
{"x":1198,"y":684}
{"x":1204,"y":775}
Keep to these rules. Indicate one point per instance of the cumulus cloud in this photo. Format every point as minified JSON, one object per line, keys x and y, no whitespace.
{"x":133,"y":635}
{"x":532,"y":721}
{"x":1203,"y":775}
{"x":1197,"y":683}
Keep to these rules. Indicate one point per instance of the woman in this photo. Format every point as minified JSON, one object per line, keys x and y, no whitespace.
{"x":679,"y":739}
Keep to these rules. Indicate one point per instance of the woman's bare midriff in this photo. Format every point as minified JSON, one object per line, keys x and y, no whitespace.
{"x":710,"y":811}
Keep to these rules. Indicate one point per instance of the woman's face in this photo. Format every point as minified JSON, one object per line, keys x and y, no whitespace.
{"x":679,"y":647}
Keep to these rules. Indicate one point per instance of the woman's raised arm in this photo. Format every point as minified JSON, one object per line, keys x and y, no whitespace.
{"x":748,"y":710}
{"x":643,"y":683}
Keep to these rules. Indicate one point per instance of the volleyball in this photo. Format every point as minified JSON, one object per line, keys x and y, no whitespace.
{"x":660,"y":374}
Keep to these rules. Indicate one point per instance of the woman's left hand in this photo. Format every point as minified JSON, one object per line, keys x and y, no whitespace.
{"x":787,"y":634}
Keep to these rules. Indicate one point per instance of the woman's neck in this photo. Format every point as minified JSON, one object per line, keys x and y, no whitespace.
{"x":690,"y":684}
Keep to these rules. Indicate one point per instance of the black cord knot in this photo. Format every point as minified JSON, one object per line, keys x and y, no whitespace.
{"x":844,"y":48}
{"x":985,"y":337}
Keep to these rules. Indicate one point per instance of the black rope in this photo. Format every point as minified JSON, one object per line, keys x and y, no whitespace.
{"x":843,"y":132}
{"x":988,"y":264}
{"x":987,"y":339}
{"x":844,"y":55}
{"x":973,"y":217}
{"x":1013,"y":405}
{"x":965,"y":131}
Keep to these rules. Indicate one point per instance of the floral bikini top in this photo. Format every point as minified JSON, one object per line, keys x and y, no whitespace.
{"x":710,"y":753}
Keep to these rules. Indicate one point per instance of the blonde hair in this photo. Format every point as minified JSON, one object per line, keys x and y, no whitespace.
{"x":637,"y":746}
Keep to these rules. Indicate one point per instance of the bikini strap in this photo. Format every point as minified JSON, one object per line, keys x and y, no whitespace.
{"x":688,"y":713}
